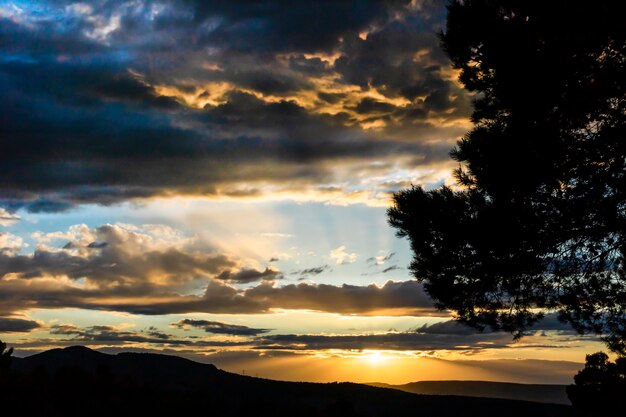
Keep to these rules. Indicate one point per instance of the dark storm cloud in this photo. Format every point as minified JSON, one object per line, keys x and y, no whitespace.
{"x":83,"y":155}
{"x":369,"y":105}
{"x":19,"y":39}
{"x":316,"y":66}
{"x":266,"y":81}
{"x":280,"y":25}
{"x":101,"y":98}
{"x":404,"y":59}
{"x":15,"y":325}
{"x":217,"y":327}
{"x":386,"y":59}
{"x":78,"y":84}
{"x":332,"y":98}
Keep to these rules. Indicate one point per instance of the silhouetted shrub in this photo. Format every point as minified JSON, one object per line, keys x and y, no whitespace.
{"x":600,"y":388}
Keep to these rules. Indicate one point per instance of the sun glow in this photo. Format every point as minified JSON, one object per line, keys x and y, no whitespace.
{"x":375,"y":358}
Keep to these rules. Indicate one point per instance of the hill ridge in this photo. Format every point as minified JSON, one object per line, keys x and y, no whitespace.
{"x":544,"y":393}
{"x":157,"y":384}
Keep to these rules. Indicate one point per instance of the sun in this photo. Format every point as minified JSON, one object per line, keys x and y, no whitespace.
{"x":375,"y":358}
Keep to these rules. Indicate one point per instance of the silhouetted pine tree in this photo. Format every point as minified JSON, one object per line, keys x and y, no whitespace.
{"x":538,"y":221}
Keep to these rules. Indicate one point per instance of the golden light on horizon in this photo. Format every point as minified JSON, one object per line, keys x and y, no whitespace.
{"x":376,"y":358}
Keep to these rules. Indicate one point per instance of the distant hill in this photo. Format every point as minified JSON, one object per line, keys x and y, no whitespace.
{"x":78,"y":381}
{"x":164,"y":371}
{"x":543,"y":393}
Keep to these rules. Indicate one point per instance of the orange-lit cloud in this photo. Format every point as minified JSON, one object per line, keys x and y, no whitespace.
{"x":214,"y":107}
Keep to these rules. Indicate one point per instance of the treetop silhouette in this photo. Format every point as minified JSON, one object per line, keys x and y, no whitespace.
{"x":598,"y":389}
{"x":5,"y":357}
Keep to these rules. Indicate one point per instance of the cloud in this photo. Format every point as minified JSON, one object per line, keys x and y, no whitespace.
{"x":444,"y":335}
{"x":94,"y":245}
{"x":154,"y":269}
{"x":341,"y":257}
{"x":112,"y":335}
{"x":550,"y":323}
{"x":16,"y":325}
{"x":10,"y":243}
{"x":401,"y":57}
{"x":316,"y":270}
{"x":117,"y":255}
{"x":449,"y":327}
{"x":6,"y":218}
{"x":391,"y":268}
{"x":135,"y":101}
{"x":393,"y":298}
{"x":429,"y":339}
{"x":299,"y":27}
{"x":387,"y":341}
{"x":220,"y":328}
{"x":380,"y":259}
{"x":370,"y":105}
{"x":245,"y":276}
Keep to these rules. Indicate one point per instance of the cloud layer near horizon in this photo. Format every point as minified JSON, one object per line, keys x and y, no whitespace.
{"x":429,"y":339}
{"x":154,"y":269}
{"x":111,"y":101}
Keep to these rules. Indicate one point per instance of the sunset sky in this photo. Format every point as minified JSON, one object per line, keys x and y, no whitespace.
{"x":210,"y":179}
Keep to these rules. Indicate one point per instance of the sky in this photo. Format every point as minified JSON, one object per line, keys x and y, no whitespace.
{"x":210,"y":179}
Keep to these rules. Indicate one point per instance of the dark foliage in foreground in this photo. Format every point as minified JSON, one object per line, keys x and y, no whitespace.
{"x":600,"y":388}
{"x":540,"y":220}
{"x":5,"y":358}
{"x":78,"y":381}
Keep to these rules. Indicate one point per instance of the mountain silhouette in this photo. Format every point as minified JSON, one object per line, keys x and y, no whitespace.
{"x":167,"y":371}
{"x":78,"y":381}
{"x":543,"y":393}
